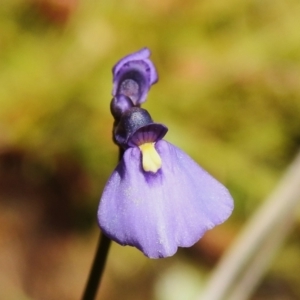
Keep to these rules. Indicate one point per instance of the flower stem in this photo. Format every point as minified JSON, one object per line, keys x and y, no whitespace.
{"x":97,"y":268}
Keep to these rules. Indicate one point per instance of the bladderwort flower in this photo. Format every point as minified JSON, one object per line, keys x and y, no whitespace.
{"x":158,"y":198}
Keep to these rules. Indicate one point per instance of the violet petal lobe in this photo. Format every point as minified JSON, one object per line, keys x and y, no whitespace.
{"x":141,"y":55}
{"x":157,"y":213}
{"x":133,"y":76}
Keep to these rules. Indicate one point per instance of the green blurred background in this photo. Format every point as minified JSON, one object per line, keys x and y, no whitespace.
{"x":228,"y":91}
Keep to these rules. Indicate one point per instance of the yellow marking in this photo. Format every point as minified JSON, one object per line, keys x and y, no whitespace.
{"x":151,"y":160}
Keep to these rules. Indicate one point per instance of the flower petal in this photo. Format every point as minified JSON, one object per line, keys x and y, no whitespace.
{"x":133,"y":76}
{"x":159,"y":212}
{"x":143,"y":55}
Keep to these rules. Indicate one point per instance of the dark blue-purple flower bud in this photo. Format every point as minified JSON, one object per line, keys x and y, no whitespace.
{"x":119,"y":105}
{"x":133,"y":76}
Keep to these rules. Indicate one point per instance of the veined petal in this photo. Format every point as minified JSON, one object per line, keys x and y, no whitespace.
{"x":146,"y":134}
{"x":157,"y":213}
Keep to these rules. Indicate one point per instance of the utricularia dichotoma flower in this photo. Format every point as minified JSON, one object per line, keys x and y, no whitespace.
{"x":158,"y":198}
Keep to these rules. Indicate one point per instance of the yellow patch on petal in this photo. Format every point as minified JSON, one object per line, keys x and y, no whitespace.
{"x":151,"y":160}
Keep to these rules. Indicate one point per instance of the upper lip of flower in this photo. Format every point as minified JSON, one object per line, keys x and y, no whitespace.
{"x":150,"y":133}
{"x":145,"y":138}
{"x":136,"y":127}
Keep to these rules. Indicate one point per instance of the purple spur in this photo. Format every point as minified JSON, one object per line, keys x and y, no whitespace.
{"x":158,"y":198}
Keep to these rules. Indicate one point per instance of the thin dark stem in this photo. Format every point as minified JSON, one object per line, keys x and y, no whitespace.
{"x":98,"y":266}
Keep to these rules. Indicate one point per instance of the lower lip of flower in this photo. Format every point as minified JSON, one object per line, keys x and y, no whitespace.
{"x":151,"y":160}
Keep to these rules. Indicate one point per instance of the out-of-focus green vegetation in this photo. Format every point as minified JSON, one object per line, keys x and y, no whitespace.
{"x":228,"y":86}
{"x":228,"y":91}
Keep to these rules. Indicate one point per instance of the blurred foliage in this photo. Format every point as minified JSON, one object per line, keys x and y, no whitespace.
{"x":228,"y":91}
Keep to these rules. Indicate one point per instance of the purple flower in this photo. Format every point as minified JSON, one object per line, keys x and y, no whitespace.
{"x":158,"y":199}
{"x":133,"y":76}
